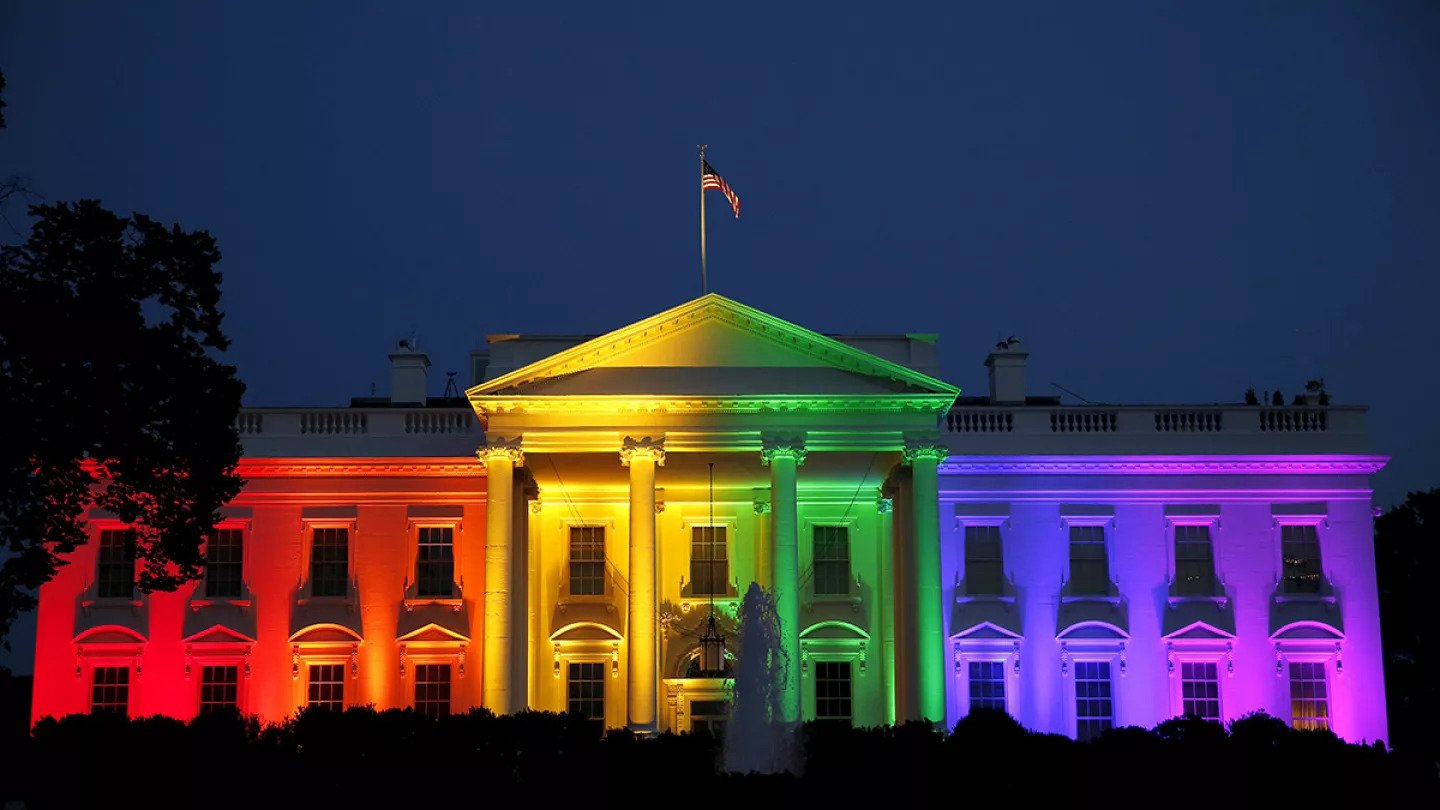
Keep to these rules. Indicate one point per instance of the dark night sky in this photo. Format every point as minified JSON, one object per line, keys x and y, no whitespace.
{"x":1167,"y":204}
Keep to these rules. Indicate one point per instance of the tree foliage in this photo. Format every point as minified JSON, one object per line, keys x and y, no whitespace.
{"x":113,"y":395}
{"x":1407,"y":551}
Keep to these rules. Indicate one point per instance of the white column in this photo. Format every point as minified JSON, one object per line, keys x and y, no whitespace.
{"x":929,"y":639}
{"x":501,"y":458}
{"x":642,"y":456}
{"x":784,"y":457}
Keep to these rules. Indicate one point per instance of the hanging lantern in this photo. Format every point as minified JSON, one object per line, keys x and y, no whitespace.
{"x":712,"y":650}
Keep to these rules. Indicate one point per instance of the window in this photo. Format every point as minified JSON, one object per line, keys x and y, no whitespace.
{"x":832,"y":560}
{"x":1309,"y":701}
{"x":435,"y":562}
{"x":587,"y":690}
{"x":223,"y":564}
{"x":432,"y":689}
{"x":832,"y":691}
{"x":115,"y":572}
{"x":984,"y":565}
{"x":709,"y":717}
{"x":329,"y":562}
{"x":709,"y":568}
{"x":219,"y":688}
{"x":1194,"y":561}
{"x":587,"y":560}
{"x":110,"y":690}
{"x":987,"y":685}
{"x":1089,"y":567}
{"x":327,"y":687}
{"x":1094,"y":703}
{"x":1300,"y":550}
{"x":1200,"y":690}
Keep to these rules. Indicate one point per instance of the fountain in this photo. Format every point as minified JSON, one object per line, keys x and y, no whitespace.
{"x":756,"y":739}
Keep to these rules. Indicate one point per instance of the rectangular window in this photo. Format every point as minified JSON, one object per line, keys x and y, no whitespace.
{"x":1300,"y":549}
{"x":1194,"y":561}
{"x":709,"y":568}
{"x":1089,"y":567}
{"x":432,"y":689}
{"x":115,"y":571}
{"x":587,"y":560}
{"x":987,"y":685}
{"x":1094,"y":703}
{"x":984,"y":563}
{"x":329,"y":562}
{"x":435,"y":562}
{"x":832,"y":560}
{"x":110,"y":690}
{"x":709,"y":717}
{"x":586,"y":690}
{"x":219,"y":688}
{"x":1309,"y":701}
{"x":832,"y":691}
{"x":327,"y":687}
{"x":223,"y":564}
{"x":1200,"y":690}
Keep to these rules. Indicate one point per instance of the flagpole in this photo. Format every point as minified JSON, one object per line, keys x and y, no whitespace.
{"x":704,"y":279}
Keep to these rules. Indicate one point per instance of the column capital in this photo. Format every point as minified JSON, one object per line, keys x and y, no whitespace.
{"x":761,"y":507}
{"x":772,"y":447}
{"x":884,"y":504}
{"x":502,"y":448}
{"x":923,"y":448}
{"x":650,"y":448}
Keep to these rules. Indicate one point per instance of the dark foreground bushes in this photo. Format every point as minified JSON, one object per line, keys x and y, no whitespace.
{"x":364,"y":758}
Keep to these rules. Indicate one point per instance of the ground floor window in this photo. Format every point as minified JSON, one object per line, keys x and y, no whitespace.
{"x":709,"y":717}
{"x":832,"y":691}
{"x":110,"y":690}
{"x":326,"y":689}
{"x":1094,"y":699}
{"x":586,"y":690}
{"x":1200,"y":690}
{"x":987,"y":685}
{"x":432,"y":689}
{"x":219,"y":688}
{"x":1309,"y":697}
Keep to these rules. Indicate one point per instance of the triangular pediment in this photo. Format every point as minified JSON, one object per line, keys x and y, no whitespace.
{"x":708,"y":348}
{"x":218,"y":634}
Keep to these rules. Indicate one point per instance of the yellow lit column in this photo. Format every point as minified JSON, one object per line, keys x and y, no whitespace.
{"x":501,"y":458}
{"x":929,"y":638}
{"x":642,"y":456}
{"x":784,"y":457}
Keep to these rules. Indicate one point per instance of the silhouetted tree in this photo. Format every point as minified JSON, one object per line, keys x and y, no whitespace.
{"x":2,"y":99}
{"x":1407,"y":550}
{"x":113,"y":395}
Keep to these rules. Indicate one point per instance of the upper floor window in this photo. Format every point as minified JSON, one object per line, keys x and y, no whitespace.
{"x":115,"y":569}
{"x":326,"y":689}
{"x":587,"y":560}
{"x":709,"y":567}
{"x":586,"y":690}
{"x":435,"y":562}
{"x":1309,"y":697}
{"x":984,"y":563}
{"x":110,"y":690}
{"x":832,"y":691}
{"x":432,"y":689}
{"x":1300,"y":550}
{"x":219,"y":688}
{"x":224,"y":563}
{"x":1089,"y":565}
{"x":329,"y":562}
{"x":1194,"y":561}
{"x":1094,"y":700}
{"x":1200,"y":690}
{"x":832,"y":560}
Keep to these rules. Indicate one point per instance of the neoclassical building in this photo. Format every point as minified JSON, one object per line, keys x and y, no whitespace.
{"x":557,"y":539}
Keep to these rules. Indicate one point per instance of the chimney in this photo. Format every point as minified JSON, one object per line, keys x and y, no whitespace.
{"x":1007,"y":372}
{"x":407,"y":374}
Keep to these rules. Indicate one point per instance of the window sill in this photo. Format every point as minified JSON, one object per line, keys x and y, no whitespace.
{"x":961,"y":598}
{"x":455,"y":603}
{"x":324,"y":600}
{"x":197,"y":604}
{"x":1305,"y":598}
{"x":1111,"y":599}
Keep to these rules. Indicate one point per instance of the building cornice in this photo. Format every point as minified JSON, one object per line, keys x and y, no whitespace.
{"x":435,"y":467}
{"x":1165,"y":465}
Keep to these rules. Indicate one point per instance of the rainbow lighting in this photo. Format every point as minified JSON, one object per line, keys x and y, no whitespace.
{"x":549,"y":541}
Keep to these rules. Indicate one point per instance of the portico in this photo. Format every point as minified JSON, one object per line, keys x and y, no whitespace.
{"x":626,"y":549}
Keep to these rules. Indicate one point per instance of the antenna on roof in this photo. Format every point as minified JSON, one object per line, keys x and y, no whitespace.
{"x":1073,"y":394}
{"x":451,"y":389}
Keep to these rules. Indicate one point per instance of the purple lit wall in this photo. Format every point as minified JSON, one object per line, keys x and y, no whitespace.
{"x":1143,"y":626}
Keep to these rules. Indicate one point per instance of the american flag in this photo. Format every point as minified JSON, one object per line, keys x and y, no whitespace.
{"x":709,"y":178}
